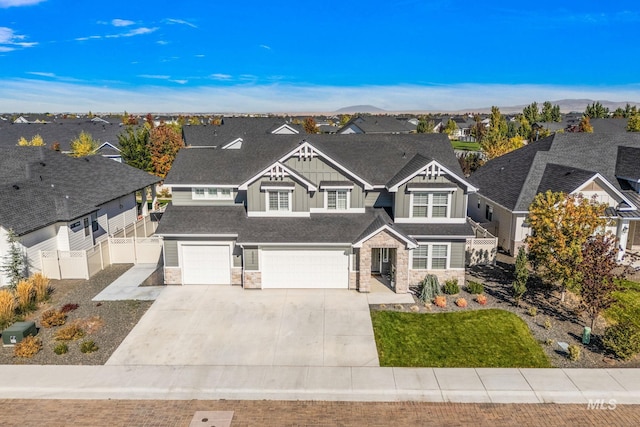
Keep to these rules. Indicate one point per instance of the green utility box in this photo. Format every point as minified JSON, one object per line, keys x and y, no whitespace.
{"x":17,"y":332}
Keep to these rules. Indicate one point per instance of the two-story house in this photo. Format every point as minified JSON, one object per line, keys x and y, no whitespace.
{"x":604,"y":166}
{"x":328,"y":211}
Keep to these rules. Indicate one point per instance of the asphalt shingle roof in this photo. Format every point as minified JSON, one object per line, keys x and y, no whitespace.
{"x":513,"y":180}
{"x":40,"y":186}
{"x":61,"y":132}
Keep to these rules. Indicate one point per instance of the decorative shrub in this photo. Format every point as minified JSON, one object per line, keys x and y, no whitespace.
{"x":461,"y":302}
{"x":548,"y":324}
{"x":574,"y":352}
{"x":451,"y":287}
{"x":481,"y":299}
{"x":623,"y":340}
{"x":88,"y":347}
{"x":69,"y":333}
{"x":24,"y":296}
{"x":28,"y":347}
{"x":429,"y":288}
{"x":475,"y":287}
{"x":40,"y":286}
{"x":51,"y":318}
{"x":7,"y":307}
{"x":414,"y":308}
{"x":532,"y":311}
{"x":548,"y":341}
{"x":69,"y":307}
{"x":398,"y":307}
{"x":440,"y":301}
{"x":61,"y":348}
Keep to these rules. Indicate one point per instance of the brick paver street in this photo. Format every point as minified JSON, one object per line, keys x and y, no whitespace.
{"x":114,"y":413}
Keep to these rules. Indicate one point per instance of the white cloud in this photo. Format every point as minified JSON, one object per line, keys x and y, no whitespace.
{"x":121,"y":22}
{"x":9,"y":40}
{"x":154,"y":76}
{"x":162,"y":42}
{"x":264,"y":46}
{"x":45,"y":95}
{"x":11,"y":3}
{"x":220,"y":76}
{"x":181,"y":82}
{"x":41,"y":73}
{"x":134,"y":32}
{"x":181,"y":22}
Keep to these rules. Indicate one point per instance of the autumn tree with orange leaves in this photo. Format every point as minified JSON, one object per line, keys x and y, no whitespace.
{"x":164,"y":143}
{"x":560,"y":226}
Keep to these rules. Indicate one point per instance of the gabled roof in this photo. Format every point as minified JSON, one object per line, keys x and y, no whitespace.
{"x":280,"y":169}
{"x":379,"y":124}
{"x":372,"y":159}
{"x":513,"y":180}
{"x":383,"y":223}
{"x":417,"y":165}
{"x":40,"y":186}
{"x":628,"y":163}
{"x":237,"y":127}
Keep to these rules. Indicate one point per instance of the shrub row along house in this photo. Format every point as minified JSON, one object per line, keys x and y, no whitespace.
{"x":314,"y":211}
{"x":52,"y":201}
{"x":604,"y":166}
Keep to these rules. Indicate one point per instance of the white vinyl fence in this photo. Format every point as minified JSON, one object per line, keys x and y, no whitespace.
{"x":114,"y":250}
{"x":481,"y":249}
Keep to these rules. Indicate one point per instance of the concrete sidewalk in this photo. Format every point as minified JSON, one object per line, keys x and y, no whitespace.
{"x":127,"y":286}
{"x":578,"y":386}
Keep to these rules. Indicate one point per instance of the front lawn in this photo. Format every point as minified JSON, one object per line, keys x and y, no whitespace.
{"x":473,"y":339}
{"x":627,"y":307}
{"x":466,"y":145}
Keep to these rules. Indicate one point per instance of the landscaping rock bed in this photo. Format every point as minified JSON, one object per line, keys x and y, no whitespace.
{"x":553,"y":322}
{"x":106,"y":323}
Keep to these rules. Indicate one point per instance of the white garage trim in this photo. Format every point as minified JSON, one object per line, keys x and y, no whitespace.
{"x":312,"y":268}
{"x":205,"y":263}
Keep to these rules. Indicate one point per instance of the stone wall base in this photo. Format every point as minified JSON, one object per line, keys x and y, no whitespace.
{"x":252,"y":280}
{"x":353,"y":280}
{"x":236,"y":276}
{"x":416,"y":276}
{"x":172,"y":276}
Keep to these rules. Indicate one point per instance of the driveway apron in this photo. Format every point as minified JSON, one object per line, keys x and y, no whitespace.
{"x":225,"y":325}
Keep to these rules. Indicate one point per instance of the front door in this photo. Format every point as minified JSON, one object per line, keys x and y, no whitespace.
{"x":376,"y":266}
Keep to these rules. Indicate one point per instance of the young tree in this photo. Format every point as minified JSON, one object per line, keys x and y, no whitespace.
{"x":596,"y":111}
{"x":634,"y":123}
{"x":84,"y":145}
{"x":470,"y":162}
{"x":531,"y":113}
{"x":597,"y":277}
{"x":164,"y":143}
{"x":14,"y":265}
{"x":521,"y":276}
{"x":425,"y":125}
{"x":547,"y":112}
{"x":134,"y":147}
{"x":451,"y":127}
{"x":36,"y":141}
{"x":560,"y":226}
{"x":310,"y":125}
{"x":478,"y":130}
{"x":585,"y":125}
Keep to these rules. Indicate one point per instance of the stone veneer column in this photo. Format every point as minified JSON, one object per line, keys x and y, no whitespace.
{"x":384,"y":240}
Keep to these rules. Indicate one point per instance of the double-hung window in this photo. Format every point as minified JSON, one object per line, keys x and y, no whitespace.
{"x":430,"y":205}
{"x":430,"y":257}
{"x":337,"y":200}
{"x":280,"y":201}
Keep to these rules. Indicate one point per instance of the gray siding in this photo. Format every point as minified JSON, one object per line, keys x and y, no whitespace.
{"x":317,"y":170}
{"x":457,"y":254}
{"x":256,"y":198}
{"x":171,"y":253}
{"x":403,"y":197}
{"x":182,"y":197}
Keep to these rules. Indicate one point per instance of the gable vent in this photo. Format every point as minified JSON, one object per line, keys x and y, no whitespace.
{"x":306,"y":152}
{"x":432,"y":171}
{"x":277,"y":171}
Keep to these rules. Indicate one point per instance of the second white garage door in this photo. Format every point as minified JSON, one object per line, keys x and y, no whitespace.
{"x":206,"y":265}
{"x":308,"y":268}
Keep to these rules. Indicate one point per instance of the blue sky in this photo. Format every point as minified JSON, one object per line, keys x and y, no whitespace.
{"x":283,"y":56}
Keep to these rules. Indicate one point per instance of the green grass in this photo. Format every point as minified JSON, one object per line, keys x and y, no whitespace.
{"x":627,"y":307}
{"x":463,"y":145}
{"x":481,"y":338}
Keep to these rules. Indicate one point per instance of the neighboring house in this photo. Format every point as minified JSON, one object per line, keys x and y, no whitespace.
{"x":377,"y":124}
{"x":52,"y":201}
{"x":316,"y":211}
{"x":611,"y":125}
{"x":65,"y":131}
{"x":606,"y":166}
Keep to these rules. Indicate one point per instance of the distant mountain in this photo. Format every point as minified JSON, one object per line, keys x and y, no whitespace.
{"x":360,"y":109}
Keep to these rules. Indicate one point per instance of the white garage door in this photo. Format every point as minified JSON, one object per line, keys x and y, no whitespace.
{"x":205,"y":265}
{"x":308,"y":268}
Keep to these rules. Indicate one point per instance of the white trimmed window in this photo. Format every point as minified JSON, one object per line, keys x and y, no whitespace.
{"x":212,"y":193}
{"x":337,"y":200}
{"x":279,"y":201}
{"x":430,"y":205}
{"x":430,"y":257}
{"x":488,"y":213}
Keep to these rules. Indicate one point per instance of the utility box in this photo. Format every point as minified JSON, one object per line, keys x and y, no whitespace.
{"x":17,"y":332}
{"x":586,"y":335}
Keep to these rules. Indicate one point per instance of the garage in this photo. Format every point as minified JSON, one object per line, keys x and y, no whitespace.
{"x":206,"y":265}
{"x":305,"y":268}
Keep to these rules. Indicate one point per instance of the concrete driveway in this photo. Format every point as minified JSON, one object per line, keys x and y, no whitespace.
{"x":224,"y":325}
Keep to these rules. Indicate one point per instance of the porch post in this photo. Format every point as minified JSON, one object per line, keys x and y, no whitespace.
{"x":622,"y":234}
{"x":364,"y":273}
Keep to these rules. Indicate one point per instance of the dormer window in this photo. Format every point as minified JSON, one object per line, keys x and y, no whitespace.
{"x":212,"y":193}
{"x":430,"y":205}
{"x":279,"y":200}
{"x":337,"y":200}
